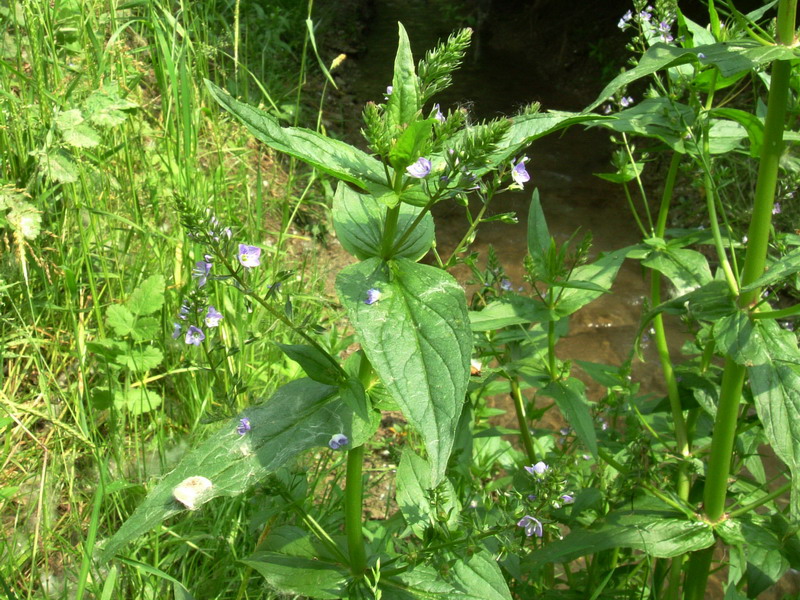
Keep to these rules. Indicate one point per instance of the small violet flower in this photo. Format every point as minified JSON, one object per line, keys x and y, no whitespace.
{"x":538,"y":469}
{"x":626,"y":101}
{"x":646,"y":16}
{"x":519,"y":174}
{"x":176,"y":330}
{"x":664,"y":32}
{"x":249,"y":256}
{"x":338,"y":440}
{"x":373,"y":295}
{"x":419,"y":169}
{"x":243,"y":426}
{"x":438,"y":116}
{"x":567,"y":498}
{"x":506,"y":285}
{"x":389,"y":90}
{"x":532,"y":525}
{"x":624,"y":22}
{"x":213,"y":317}
{"x":776,"y":209}
{"x":201,"y":270}
{"x":195,"y":336}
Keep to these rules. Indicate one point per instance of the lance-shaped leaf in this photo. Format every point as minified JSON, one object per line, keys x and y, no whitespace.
{"x":776,"y":391}
{"x":686,"y":269}
{"x":413,"y":495}
{"x":589,"y":282}
{"x":729,"y":57}
{"x":418,"y":339}
{"x":330,"y":156}
{"x":570,"y":395}
{"x":359,"y":222}
{"x":404,"y":100}
{"x":300,"y":415}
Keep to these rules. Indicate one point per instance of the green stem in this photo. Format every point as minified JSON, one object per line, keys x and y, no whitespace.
{"x":761,"y":501}
{"x":389,"y":231}
{"x":353,"y":496}
{"x":792,"y":311}
{"x":551,"y":349}
{"x":524,"y":430}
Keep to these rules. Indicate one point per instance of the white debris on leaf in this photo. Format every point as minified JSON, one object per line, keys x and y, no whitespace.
{"x":191,"y":491}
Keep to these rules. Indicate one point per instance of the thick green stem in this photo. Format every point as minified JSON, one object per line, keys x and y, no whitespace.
{"x":522,"y":419}
{"x":353,"y":496}
{"x":389,"y":231}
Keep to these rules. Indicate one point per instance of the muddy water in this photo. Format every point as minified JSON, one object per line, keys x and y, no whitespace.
{"x":502,"y":76}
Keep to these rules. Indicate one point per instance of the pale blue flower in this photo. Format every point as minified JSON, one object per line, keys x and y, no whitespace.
{"x":176,"y":330}
{"x":438,"y":116}
{"x":201,"y":270}
{"x":213,"y":317}
{"x":244,"y":426}
{"x":506,"y":285}
{"x":626,"y":101}
{"x":538,"y":469}
{"x":338,"y":440}
{"x":776,"y":208}
{"x":567,"y":498}
{"x":373,"y":295}
{"x":532,"y":525}
{"x":664,"y":31}
{"x":249,"y":256}
{"x":419,"y":169}
{"x":519,"y":174}
{"x":624,"y":22}
{"x":195,"y":336}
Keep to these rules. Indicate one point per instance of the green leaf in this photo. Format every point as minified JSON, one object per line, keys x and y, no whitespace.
{"x":411,"y":144}
{"x":753,"y":342}
{"x":600,"y":274}
{"x":301,"y":415}
{"x":120,"y":319}
{"x":730,"y":57}
{"x":333,"y":157}
{"x":538,"y":233}
{"x":687,"y":270}
{"x":788,"y":264}
{"x":146,"y":328}
{"x":570,"y":396}
{"x":413,"y":486}
{"x":294,"y":563}
{"x":418,"y":340}
{"x":81,"y":136}
{"x":137,"y":401}
{"x":510,"y":310}
{"x":476,"y":578}
{"x":751,"y":123}
{"x":148,"y":297}
{"x":25,"y":219}
{"x":59,"y":166}
{"x":105,"y":107}
{"x":352,"y":393}
{"x":316,"y":365}
{"x":68,"y":119}
{"x":657,"y":535}
{"x":776,"y":391}
{"x":359,"y":221}
{"x":404,"y":101}
{"x":659,"y":118}
{"x":141,"y":359}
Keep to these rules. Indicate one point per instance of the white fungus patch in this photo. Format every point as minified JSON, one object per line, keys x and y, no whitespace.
{"x":191,"y":491}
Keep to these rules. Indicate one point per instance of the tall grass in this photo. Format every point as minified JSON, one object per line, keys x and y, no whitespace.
{"x":75,"y":461}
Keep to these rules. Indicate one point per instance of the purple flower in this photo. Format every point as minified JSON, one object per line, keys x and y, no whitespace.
{"x":532,"y":525}
{"x":373,"y":295}
{"x":201,"y":270}
{"x":243,"y":426}
{"x":176,"y":330}
{"x":776,"y":209}
{"x":213,"y":317}
{"x":538,"y":469}
{"x":646,"y":16}
{"x":664,"y":31}
{"x":700,"y":55}
{"x":195,"y":336}
{"x":567,"y":498}
{"x":438,"y":116}
{"x":338,"y":440}
{"x":626,"y":101}
{"x":183,"y":312}
{"x":519,"y":174}
{"x":419,"y":169}
{"x":624,"y":21}
{"x":389,"y":90}
{"x":249,"y":256}
{"x":506,"y":285}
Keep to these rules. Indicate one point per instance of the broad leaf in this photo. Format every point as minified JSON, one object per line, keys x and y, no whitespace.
{"x":330,"y":156}
{"x":294,"y":563}
{"x":316,"y":364}
{"x":687,"y":270}
{"x":411,"y":144}
{"x":404,"y":101}
{"x":753,"y":342}
{"x":418,"y":340}
{"x":658,"y":118}
{"x":300,"y":415}
{"x":81,"y":136}
{"x":359,"y":222}
{"x":570,"y":396}
{"x":413,"y":495}
{"x":120,"y":319}
{"x":148,"y":297}
{"x":777,"y":270}
{"x":140,"y":359}
{"x":476,"y":578}
{"x":59,"y":166}
{"x":137,"y":401}
{"x":776,"y":391}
